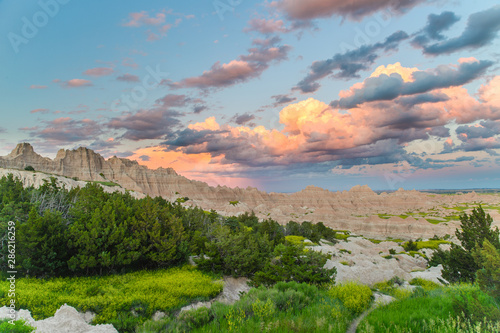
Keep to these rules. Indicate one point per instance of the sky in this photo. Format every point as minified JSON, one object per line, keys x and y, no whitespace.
{"x":276,"y":95}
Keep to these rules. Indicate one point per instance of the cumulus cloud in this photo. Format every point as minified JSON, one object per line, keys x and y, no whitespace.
{"x":353,"y":10}
{"x":349,"y":64}
{"x":240,"y":70}
{"x":482,"y":28}
{"x":389,"y":87}
{"x":128,"y":78}
{"x":146,"y":124}
{"x":373,"y":131}
{"x":99,"y":71}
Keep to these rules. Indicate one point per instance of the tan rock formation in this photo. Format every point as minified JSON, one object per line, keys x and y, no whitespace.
{"x":355,"y":210}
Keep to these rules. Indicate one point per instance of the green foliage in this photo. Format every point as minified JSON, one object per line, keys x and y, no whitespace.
{"x":458,"y":263}
{"x":234,"y":203}
{"x":41,"y":245}
{"x":427,"y":285}
{"x":461,"y":308}
{"x":410,"y":246}
{"x":113,"y":298}
{"x":354,"y":296}
{"x":29,"y":168}
{"x":476,"y":227}
{"x":473,"y":304}
{"x":488,"y":277}
{"x":19,"y":326}
{"x":238,"y":254}
{"x":293,"y":263}
{"x":286,"y":307}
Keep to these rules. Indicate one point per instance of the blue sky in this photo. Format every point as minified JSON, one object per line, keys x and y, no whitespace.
{"x":277,"y":95}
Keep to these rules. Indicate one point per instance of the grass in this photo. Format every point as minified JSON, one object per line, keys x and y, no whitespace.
{"x":18,"y":326}
{"x":286,"y":307}
{"x":110,"y":184}
{"x":436,"y":309}
{"x":113,"y":298}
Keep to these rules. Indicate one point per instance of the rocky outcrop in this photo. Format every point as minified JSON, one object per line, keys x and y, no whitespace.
{"x":355,"y":210}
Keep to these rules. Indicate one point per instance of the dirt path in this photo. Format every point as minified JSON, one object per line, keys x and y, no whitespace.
{"x":380,"y":299}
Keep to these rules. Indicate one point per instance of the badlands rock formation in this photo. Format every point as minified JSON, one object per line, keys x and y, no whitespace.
{"x":65,"y":320}
{"x":355,"y":210}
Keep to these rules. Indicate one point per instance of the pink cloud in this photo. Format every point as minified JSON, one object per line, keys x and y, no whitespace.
{"x":99,"y":71}
{"x":143,"y":18}
{"x":355,"y":10}
{"x":372,"y":132}
{"x":244,"y":68}
{"x":128,"y":78}
{"x":34,"y":86}
{"x":76,"y":83}
{"x":39,"y":111}
{"x":266,"y":26}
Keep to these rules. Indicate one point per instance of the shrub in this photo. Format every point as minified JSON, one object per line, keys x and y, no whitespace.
{"x":410,"y":246}
{"x":354,"y":296}
{"x":29,"y":168}
{"x":293,"y":263}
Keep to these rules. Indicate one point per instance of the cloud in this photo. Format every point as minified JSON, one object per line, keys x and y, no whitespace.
{"x":266,"y":26}
{"x":353,"y":10}
{"x":242,"y":119}
{"x":389,"y":87}
{"x":199,"y":108}
{"x":436,"y":24}
{"x":144,"y":158}
{"x":63,"y":130}
{"x":34,"y":86}
{"x":146,"y":124}
{"x":99,"y":71}
{"x":76,"y":83}
{"x":482,"y":28}
{"x":282,"y":99}
{"x":40,"y":111}
{"x":139,"y":19}
{"x":375,"y":131}
{"x":128,"y":78}
{"x":485,"y":129}
{"x":347,"y":65}
{"x":172,"y":100}
{"x":240,"y":70}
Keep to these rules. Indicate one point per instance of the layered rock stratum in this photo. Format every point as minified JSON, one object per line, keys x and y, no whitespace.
{"x":357,"y":210}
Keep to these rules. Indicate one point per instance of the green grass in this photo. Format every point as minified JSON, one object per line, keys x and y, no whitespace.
{"x":18,"y":326}
{"x":439,"y":309}
{"x":431,"y":244}
{"x":286,"y":307}
{"x":113,"y":297}
{"x":110,"y":184}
